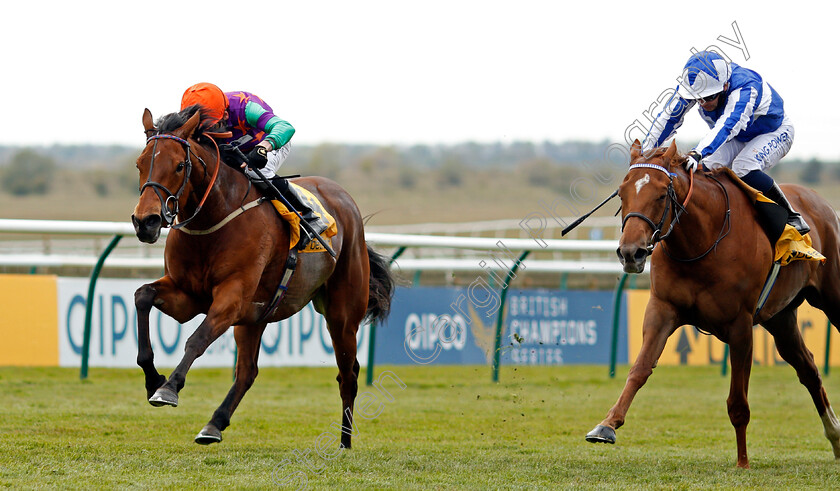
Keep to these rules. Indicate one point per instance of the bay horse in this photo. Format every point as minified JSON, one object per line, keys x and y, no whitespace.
{"x":229,"y":264}
{"x":708,"y":268}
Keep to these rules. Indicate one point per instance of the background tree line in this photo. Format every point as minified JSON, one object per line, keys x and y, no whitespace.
{"x":111,"y":169}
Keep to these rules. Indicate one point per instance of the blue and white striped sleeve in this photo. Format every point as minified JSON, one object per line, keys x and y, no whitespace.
{"x":739,"y":109}
{"x":667,"y":122}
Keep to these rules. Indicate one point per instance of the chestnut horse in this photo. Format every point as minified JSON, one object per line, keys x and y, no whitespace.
{"x":708,"y":271}
{"x":229,"y":266}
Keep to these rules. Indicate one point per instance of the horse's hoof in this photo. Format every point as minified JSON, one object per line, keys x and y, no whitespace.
{"x":164,"y":397}
{"x":151,"y":388}
{"x":209,"y":434}
{"x":601,"y":434}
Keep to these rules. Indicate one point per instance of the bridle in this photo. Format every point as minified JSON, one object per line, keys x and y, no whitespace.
{"x":672,"y":201}
{"x":169,"y":200}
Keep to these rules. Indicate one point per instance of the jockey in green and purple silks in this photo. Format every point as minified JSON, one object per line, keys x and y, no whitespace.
{"x":243,"y":113}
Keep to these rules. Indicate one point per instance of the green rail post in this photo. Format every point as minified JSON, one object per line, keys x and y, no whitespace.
{"x":236,"y":358}
{"x":724,"y":364}
{"x":497,"y":353}
{"x":372,"y":336}
{"x":616,"y":317}
{"x":94,"y":275}
{"x":827,"y":347}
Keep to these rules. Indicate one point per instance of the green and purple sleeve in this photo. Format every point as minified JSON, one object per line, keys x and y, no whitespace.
{"x":277,"y":130}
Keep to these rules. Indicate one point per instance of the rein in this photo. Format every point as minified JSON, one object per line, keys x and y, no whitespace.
{"x":657,"y":235}
{"x":170,"y":214}
{"x":727,"y":226}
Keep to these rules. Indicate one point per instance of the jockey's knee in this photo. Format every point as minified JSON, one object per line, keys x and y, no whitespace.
{"x":758,"y":180}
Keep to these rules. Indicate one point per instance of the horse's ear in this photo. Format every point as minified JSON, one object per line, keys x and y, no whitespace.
{"x":635,"y":150}
{"x":148,"y":123}
{"x":189,"y":127}
{"x":671,"y":152}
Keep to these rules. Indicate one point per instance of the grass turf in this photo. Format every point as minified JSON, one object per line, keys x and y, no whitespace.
{"x":451,"y":427}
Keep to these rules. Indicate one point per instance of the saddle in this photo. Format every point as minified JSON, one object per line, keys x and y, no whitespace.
{"x":788,"y":244}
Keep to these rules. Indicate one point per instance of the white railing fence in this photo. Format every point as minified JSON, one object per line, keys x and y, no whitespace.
{"x":60,"y":253}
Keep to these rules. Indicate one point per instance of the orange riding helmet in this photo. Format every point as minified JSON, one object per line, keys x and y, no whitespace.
{"x":207,"y":95}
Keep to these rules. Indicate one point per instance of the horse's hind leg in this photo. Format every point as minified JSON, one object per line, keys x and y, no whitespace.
{"x":343,"y":322}
{"x":164,"y":295}
{"x":792,"y":348}
{"x":248,"y":344}
{"x":344,"y":308}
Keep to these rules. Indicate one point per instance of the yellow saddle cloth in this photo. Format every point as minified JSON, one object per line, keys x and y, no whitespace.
{"x":294,"y":220}
{"x":791,"y":245}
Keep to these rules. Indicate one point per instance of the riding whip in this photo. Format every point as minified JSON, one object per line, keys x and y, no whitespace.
{"x":584,"y":217}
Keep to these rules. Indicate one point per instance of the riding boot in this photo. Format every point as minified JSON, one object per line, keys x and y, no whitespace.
{"x":794,"y":218}
{"x":300,"y":204}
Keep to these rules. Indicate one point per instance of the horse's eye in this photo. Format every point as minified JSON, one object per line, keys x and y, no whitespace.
{"x":662,"y":198}
{"x":180,"y":167}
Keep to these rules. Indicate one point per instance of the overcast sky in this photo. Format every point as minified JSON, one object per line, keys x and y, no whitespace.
{"x":403,"y":72}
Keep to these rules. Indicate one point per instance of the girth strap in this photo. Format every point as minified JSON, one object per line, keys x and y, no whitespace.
{"x":288,"y":271}
{"x":768,"y":286}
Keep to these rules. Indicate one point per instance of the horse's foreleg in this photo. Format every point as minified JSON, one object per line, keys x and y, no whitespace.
{"x":170,"y":300}
{"x":793,"y":350}
{"x":225,"y":309}
{"x":741,"y":360}
{"x":659,"y":323}
{"x":248,"y":344}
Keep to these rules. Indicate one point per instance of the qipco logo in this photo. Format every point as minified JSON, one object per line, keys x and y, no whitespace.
{"x":428,"y":335}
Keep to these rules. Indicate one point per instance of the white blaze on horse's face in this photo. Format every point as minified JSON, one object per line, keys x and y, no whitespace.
{"x":641,"y":183}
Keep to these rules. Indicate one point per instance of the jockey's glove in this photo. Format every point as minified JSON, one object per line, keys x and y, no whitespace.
{"x":693,"y":161}
{"x":258,"y":157}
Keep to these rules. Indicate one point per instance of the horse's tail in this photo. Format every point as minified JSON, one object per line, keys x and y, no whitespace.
{"x":381,"y":287}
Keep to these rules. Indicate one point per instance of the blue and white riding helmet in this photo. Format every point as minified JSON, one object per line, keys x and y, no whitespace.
{"x":705,"y":74}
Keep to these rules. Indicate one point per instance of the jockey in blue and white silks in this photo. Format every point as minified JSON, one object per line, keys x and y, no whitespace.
{"x":749,"y":133}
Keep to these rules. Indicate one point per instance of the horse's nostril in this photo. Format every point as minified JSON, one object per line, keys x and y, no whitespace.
{"x":640,"y":254}
{"x":153,"y":221}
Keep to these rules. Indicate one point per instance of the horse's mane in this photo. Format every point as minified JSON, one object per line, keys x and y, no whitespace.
{"x":654,"y":153}
{"x":171,"y":122}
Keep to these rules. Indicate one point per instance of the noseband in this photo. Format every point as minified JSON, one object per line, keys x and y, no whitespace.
{"x":671,"y":199}
{"x":169,"y":200}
